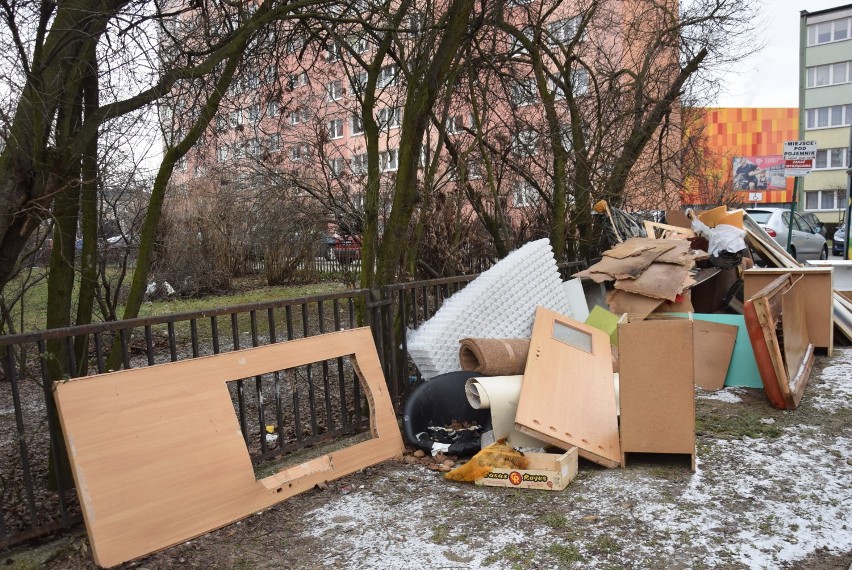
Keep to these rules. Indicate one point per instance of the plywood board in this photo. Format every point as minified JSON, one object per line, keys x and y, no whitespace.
{"x":817,"y":284}
{"x":660,"y":281}
{"x":764,"y":313}
{"x":568,"y":397}
{"x":743,"y":367}
{"x":714,"y":346}
{"x":656,"y":388}
{"x":158,"y":456}
{"x":627,"y":268}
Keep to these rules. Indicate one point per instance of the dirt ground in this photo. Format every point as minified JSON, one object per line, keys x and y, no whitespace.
{"x":772,"y":489}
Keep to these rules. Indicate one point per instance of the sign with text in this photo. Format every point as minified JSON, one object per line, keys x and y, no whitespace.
{"x":799,"y":157}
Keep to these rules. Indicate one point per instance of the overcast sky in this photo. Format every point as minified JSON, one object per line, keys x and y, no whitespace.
{"x":773,"y":79}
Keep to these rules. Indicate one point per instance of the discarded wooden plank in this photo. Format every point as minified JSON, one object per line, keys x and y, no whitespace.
{"x":568,"y":397}
{"x":158,"y":456}
{"x":657,"y":230}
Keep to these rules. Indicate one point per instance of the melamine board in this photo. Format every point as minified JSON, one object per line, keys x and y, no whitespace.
{"x":568,"y":396}
{"x":158,"y":456}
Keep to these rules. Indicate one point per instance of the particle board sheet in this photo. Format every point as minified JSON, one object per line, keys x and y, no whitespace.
{"x":714,"y":346}
{"x":817,"y":283}
{"x":660,"y":280}
{"x":158,"y":456}
{"x":784,"y":372}
{"x":742,"y":370}
{"x":568,"y":398}
{"x":656,"y":385}
{"x":666,"y":231}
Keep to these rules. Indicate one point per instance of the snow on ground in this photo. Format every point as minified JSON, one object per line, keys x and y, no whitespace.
{"x":752,"y":503}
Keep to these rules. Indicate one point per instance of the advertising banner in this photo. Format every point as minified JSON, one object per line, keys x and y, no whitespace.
{"x":754,"y":173}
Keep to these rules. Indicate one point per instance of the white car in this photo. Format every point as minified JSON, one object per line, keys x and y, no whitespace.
{"x":807,"y":242}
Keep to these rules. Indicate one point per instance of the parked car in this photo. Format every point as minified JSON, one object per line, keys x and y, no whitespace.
{"x":346,"y":249}
{"x":807,"y":242}
{"x":815,"y":223}
{"x":839,"y":240}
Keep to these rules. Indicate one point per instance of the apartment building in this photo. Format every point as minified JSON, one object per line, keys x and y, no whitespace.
{"x":825,"y":101}
{"x":299,"y":124}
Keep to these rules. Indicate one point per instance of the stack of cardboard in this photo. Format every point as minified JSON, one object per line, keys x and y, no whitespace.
{"x":648,"y":275}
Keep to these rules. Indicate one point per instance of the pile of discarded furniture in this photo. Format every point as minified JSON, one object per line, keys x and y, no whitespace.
{"x":516,"y":365}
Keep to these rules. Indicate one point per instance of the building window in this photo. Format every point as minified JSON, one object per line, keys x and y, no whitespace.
{"x":221,"y":123}
{"x":518,"y":49}
{"x":336,"y":166}
{"x":253,"y":113}
{"x":181,"y":164}
{"x":579,"y":82}
{"x":388,"y":160}
{"x":271,"y":74}
{"x":830,"y":74}
{"x":824,"y":199}
{"x":332,"y":52}
{"x":522,"y":93}
{"x":335,"y":129}
{"x":254,"y":146}
{"x":561,"y":32}
{"x":236,"y":118}
{"x":389,"y":117}
{"x":831,"y":158}
{"x":525,"y":195}
{"x":525,"y":142}
{"x":357,"y":125}
{"x":222,"y":153}
{"x":272,"y":108}
{"x":358,"y":83}
{"x":273,"y":144}
{"x":237,"y":150}
{"x":358,"y":43}
{"x":253,"y":80}
{"x":298,"y":116}
{"x":832,"y":31}
{"x":198,"y":170}
{"x":334,"y":90}
{"x":359,"y":163}
{"x":297,"y":80}
{"x":825,"y":117}
{"x":387,"y":76}
{"x":454,"y":124}
{"x":300,"y":152}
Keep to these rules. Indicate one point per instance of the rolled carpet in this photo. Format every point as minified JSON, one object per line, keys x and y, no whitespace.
{"x":494,"y":356}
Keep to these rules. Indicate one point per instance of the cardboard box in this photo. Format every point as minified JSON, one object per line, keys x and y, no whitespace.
{"x":547,"y":471}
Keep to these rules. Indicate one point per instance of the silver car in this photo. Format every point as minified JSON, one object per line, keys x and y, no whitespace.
{"x":807,"y":242}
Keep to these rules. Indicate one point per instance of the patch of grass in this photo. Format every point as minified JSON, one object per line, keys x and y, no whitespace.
{"x":555,"y":520}
{"x":565,"y":553}
{"x":440,"y":533}
{"x":606,"y":545}
{"x":511,"y":554}
{"x":735,"y":425}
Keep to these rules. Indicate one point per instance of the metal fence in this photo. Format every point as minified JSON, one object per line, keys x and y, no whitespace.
{"x":279,"y":413}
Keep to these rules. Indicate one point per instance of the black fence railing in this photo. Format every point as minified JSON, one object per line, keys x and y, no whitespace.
{"x":279,"y":413}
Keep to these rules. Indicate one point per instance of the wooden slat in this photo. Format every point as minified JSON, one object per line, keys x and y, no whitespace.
{"x":158,"y":456}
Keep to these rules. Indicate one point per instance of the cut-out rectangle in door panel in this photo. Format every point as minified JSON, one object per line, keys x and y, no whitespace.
{"x":158,"y":456}
{"x":568,"y":397}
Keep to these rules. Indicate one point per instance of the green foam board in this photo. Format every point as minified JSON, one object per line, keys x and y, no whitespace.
{"x":606,"y":321}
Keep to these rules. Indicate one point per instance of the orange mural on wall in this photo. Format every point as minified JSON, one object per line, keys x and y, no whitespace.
{"x":722,"y":141}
